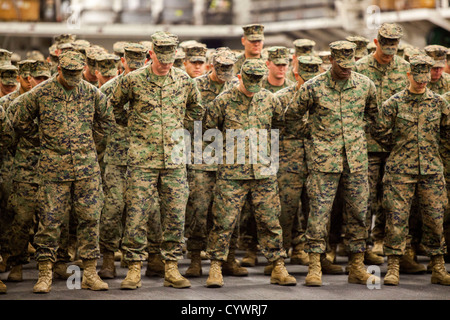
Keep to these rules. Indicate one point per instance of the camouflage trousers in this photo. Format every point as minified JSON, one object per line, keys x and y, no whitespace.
{"x":290,"y":186}
{"x":23,"y":202}
{"x":229,"y":198}
{"x":6,"y":214}
{"x":322,"y":189}
{"x":377,"y":161}
{"x":145,"y":187}
{"x":54,"y":201}
{"x":398,"y":195}
{"x":198,"y":209}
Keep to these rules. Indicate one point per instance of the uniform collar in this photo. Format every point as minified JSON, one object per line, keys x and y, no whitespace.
{"x":350,"y":83}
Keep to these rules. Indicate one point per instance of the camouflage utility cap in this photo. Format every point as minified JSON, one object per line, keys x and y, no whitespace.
{"x":196,"y":53}
{"x":25,"y":68}
{"x":35,"y":55}
{"x":420,"y":67}
{"x":118,"y":48}
{"x":64,"y":38}
{"x":344,"y":53}
{"x":40,"y":69}
{"x":8,"y":75}
{"x":72,"y":60}
{"x":389,"y":36}
{"x":361,"y":45}
{"x":106,"y":64}
{"x":411,"y":51}
{"x":303,"y":46}
{"x":5,"y":57}
{"x":81,"y":45}
{"x":165,"y":46}
{"x":134,"y":54}
{"x":254,"y":32}
{"x":438,"y":53}
{"x":252,"y":72}
{"x":308,"y":66}
{"x":223,"y":60}
{"x":279,"y":55}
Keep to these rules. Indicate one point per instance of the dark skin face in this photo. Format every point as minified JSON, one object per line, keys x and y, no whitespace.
{"x":338,"y":73}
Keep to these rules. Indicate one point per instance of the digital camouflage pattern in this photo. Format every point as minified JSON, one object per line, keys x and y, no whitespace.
{"x":5,"y":57}
{"x":254,"y":32}
{"x":65,"y":119}
{"x":336,"y":121}
{"x":159,"y":106}
{"x":343,"y":52}
{"x":304,"y":47}
{"x":389,"y":79}
{"x":336,"y":151}
{"x":147,"y":95}
{"x":412,"y":127}
{"x":441,"y":86}
{"x":361,"y":45}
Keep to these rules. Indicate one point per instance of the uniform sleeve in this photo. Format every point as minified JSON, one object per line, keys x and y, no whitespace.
{"x":6,"y":130}
{"x":445,"y":134}
{"x":371,"y":111}
{"x":120,"y":95}
{"x":104,"y":115}
{"x":213,"y":118}
{"x":381,"y":126}
{"x":194,"y":107}
{"x":299,"y":105}
{"x":27,"y":110}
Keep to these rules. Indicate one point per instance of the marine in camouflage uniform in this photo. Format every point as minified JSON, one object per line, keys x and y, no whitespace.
{"x":273,"y":81}
{"x":25,"y":182}
{"x":293,"y":170}
{"x":253,"y":42}
{"x":163,"y":101}
{"x":195,"y":60}
{"x":202,"y":176}
{"x":66,"y":107}
{"x":445,"y":154}
{"x":245,"y":107}
{"x":302,"y":47}
{"x":361,"y":46}
{"x":113,"y":213}
{"x":412,"y":124}
{"x":440,"y":81}
{"x":388,"y":72}
{"x":8,"y":78}
{"x":336,"y":151}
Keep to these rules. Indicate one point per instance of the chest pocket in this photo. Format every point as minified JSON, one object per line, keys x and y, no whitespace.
{"x":406,"y":120}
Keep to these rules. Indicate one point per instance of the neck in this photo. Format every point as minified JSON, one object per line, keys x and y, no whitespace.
{"x":377,"y":56}
{"x":214,"y":78}
{"x":89,"y":76}
{"x":415,"y":90}
{"x":247,"y":93}
{"x":63,"y":83}
{"x":248,"y":55}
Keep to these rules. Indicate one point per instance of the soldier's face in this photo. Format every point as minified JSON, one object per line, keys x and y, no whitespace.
{"x":252,"y":48}
{"x":436,"y":73}
{"x":381,"y":56}
{"x":414,"y":86}
{"x":24,"y":83}
{"x":278,"y":71}
{"x":160,"y":69}
{"x":194,"y":68}
{"x":338,"y":72}
{"x":35,"y":81}
{"x":7,"y":88}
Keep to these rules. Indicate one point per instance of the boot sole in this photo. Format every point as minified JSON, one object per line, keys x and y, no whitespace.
{"x":170,"y":284}
{"x":388,"y":283}
{"x":437,"y":281}
{"x":283,"y":284}
{"x":214,"y":285}
{"x":89,"y":288}
{"x":131,"y":286}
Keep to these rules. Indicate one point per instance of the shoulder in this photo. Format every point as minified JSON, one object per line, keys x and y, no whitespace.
{"x":401,"y":63}
{"x":363,"y":62}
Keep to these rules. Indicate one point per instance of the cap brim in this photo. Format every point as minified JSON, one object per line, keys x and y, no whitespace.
{"x":389,"y":50}
{"x":109,"y":73}
{"x":166,"y":58}
{"x":8,"y":81}
{"x":307,"y":75}
{"x":196,"y":59}
{"x":135,"y":64}
{"x":280,"y":61}
{"x":439,"y":64}
{"x":41,"y":74}
{"x":346,"y":63}
{"x":255,"y":37}
{"x":422,"y":77}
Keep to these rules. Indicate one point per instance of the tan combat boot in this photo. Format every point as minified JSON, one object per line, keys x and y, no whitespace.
{"x":392,"y":277}
{"x":232,"y":268}
{"x":357,"y":272}
{"x":280,"y":274}
{"x":155,"y":265}
{"x":371,"y":258}
{"x":44,"y":283}
{"x":60,"y":271}
{"x":108,"y":269}
{"x":195,"y":268}
{"x":328,"y":267}
{"x":15,"y":275}
{"x":91,"y":280}
{"x":408,"y":263}
{"x":439,"y":275}
{"x":215,"y":278}
{"x":250,"y":259}
{"x":3,"y":288}
{"x":173,"y":278}
{"x":314,"y":276}
{"x":299,"y":256}
{"x":331,"y":255}
{"x":378,"y":247}
{"x":133,"y":278}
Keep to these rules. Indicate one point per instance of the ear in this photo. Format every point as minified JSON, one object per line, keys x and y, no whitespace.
{"x":267,"y":62}
{"x":243,"y":41}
